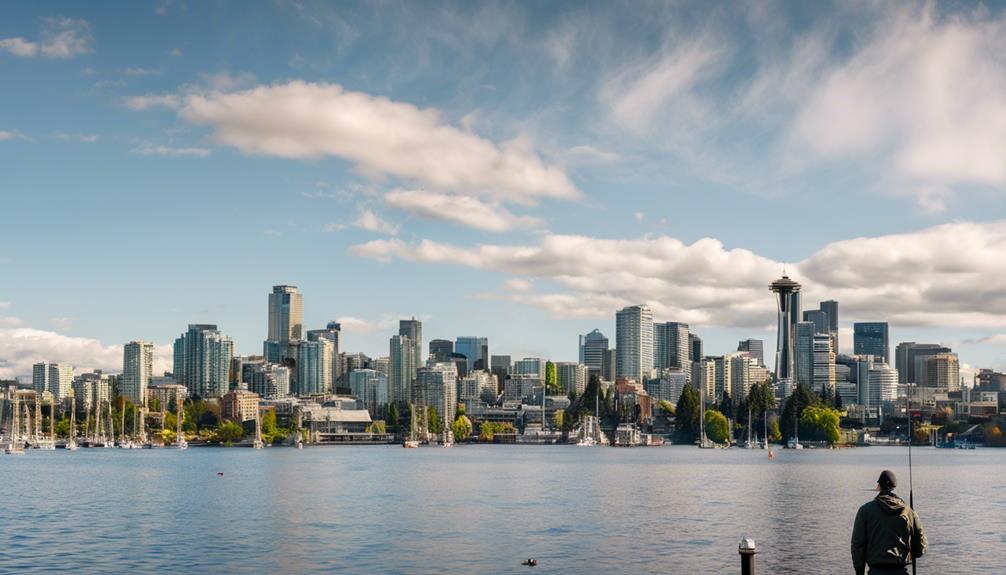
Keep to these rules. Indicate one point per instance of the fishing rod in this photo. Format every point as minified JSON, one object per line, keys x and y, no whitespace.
{"x":911,"y":492}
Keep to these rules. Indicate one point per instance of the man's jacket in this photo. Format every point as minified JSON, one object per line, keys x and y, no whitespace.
{"x":886,"y":533}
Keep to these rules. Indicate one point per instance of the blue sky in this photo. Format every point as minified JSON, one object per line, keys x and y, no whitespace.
{"x":514,"y":170}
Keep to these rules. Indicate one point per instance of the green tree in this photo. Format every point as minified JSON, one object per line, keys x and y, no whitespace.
{"x":488,"y":429}
{"x":557,"y":419}
{"x":462,"y":428}
{"x":761,"y":398}
{"x":801,"y":398}
{"x":393,"y":417}
{"x":229,"y":432}
{"x":379,"y":427}
{"x":268,"y":423}
{"x":687,"y":415}
{"x":551,"y":379}
{"x":435,"y":424}
{"x":774,"y":433}
{"x":820,"y":423}
{"x":717,"y":427}
{"x":667,"y":406}
{"x":460,"y":412}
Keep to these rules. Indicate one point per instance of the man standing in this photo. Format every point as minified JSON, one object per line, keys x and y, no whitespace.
{"x":887,"y":534}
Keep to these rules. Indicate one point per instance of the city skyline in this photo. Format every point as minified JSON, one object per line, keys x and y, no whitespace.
{"x":599,"y":178}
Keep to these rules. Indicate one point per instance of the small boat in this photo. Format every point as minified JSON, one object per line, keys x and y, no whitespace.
{"x":794,"y":443}
{"x":410,"y":444}
{"x":586,"y":442}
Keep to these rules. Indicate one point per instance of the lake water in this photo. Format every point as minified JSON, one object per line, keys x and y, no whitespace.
{"x":482,"y":509}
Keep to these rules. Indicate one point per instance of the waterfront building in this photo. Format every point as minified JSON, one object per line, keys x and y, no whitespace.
{"x":90,"y":388}
{"x":804,"y":352}
{"x":668,"y":386}
{"x":754,"y":347}
{"x":670,"y":346}
{"x":593,"y":347}
{"x":475,"y":349}
{"x":137,"y":367}
{"x":239,"y":405}
{"x":634,"y":342}
{"x":436,"y":386}
{"x":479,"y":385}
{"x":871,"y":338}
{"x":441,"y":349}
{"x":269,"y":380}
{"x":314,"y":367}
{"x":165,"y":396}
{"x":881,"y":389}
{"x":202,"y":360}
{"x":521,"y":387}
{"x":60,"y":380}
{"x":745,"y":371}
{"x":704,"y":378}
{"x":371,"y":388}
{"x":571,"y":377}
{"x":401,"y":369}
{"x":788,"y":299}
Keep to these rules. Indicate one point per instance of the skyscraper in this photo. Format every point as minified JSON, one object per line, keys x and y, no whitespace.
{"x":943,"y":372}
{"x":910,"y":358}
{"x":823,"y":365}
{"x":804,"y":352}
{"x":572,"y":377}
{"x":441,"y":349}
{"x":820,"y":320}
{"x":871,"y":338}
{"x":634,"y":342}
{"x":755,"y":348}
{"x":695,"y":351}
{"x":370,"y":387}
{"x":285,"y":313}
{"x":60,"y":380}
{"x":137,"y":368}
{"x":475,"y":350}
{"x":333,"y":334}
{"x":203,"y":360}
{"x":670,"y":346}
{"x":401,"y":369}
{"x":314,"y":367}
{"x":413,"y":329}
{"x":593,"y":346}
{"x":788,"y":293}
{"x":40,"y":378}
{"x":436,"y":386}
{"x":830,"y":307}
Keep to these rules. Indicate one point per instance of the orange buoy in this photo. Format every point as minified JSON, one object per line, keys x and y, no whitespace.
{"x":771,"y":454}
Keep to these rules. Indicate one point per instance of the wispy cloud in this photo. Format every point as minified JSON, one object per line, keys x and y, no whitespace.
{"x":161,"y":150}
{"x":368,"y":220}
{"x":459,"y":209}
{"x":148,"y":101}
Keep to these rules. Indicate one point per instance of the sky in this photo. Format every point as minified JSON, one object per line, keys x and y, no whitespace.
{"x":516,"y":170}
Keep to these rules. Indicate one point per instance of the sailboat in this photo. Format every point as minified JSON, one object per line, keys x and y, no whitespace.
{"x":258,"y":431}
{"x":71,"y":441}
{"x":411,"y":442}
{"x":749,"y":444}
{"x":299,"y":442}
{"x":179,"y":436}
{"x":704,"y":442}
{"x":15,"y":445}
{"x":794,"y":442}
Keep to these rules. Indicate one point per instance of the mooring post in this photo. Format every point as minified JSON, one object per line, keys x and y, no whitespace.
{"x":747,"y":551}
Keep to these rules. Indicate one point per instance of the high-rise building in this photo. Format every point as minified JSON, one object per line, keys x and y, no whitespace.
{"x":40,"y":378}
{"x":704,"y":378}
{"x":285,"y":314}
{"x":943,"y":372}
{"x":755,"y":348}
{"x":477,"y":386}
{"x":268,"y":380}
{"x":441,"y":349}
{"x":60,"y":380}
{"x":871,"y":338}
{"x":593,"y":346}
{"x":203,"y":360}
{"x":830,"y":307}
{"x":475,"y":349}
{"x":670,"y":346}
{"x":413,"y":329}
{"x":332,"y":333}
{"x":723,"y":375}
{"x":910,"y":359}
{"x":823,"y":365}
{"x":401,"y":369}
{"x":820,"y":320}
{"x":609,"y":364}
{"x":803,"y":359}
{"x":695,"y":351}
{"x":137,"y":368}
{"x":788,"y":294}
{"x":634,"y":342}
{"x":370,"y":387}
{"x":314,"y":367}
{"x":880,"y":386}
{"x":436,"y":386}
{"x":668,"y":386}
{"x":571,"y":377}
{"x":530,"y":366}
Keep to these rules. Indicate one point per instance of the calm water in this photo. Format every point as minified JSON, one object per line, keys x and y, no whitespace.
{"x":481,"y":509}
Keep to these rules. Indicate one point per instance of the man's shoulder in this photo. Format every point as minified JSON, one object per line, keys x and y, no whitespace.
{"x":868,"y":506}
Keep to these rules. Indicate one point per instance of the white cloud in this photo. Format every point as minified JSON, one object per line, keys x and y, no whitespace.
{"x":21,"y":347}
{"x":371,"y":222}
{"x":148,"y":101}
{"x":334,"y":227}
{"x":997,"y":339}
{"x":83,"y":138}
{"x":12,"y":135}
{"x":382,"y":137}
{"x":943,"y":276}
{"x":142,"y":71}
{"x":925,"y":94}
{"x":19,"y":47}
{"x":358,"y":325}
{"x":169,"y":151}
{"x":460,"y":209}
{"x":225,"y":81}
{"x":66,"y":37}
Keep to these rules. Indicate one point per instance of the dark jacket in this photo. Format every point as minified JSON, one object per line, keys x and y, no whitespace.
{"x":886,"y":529}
